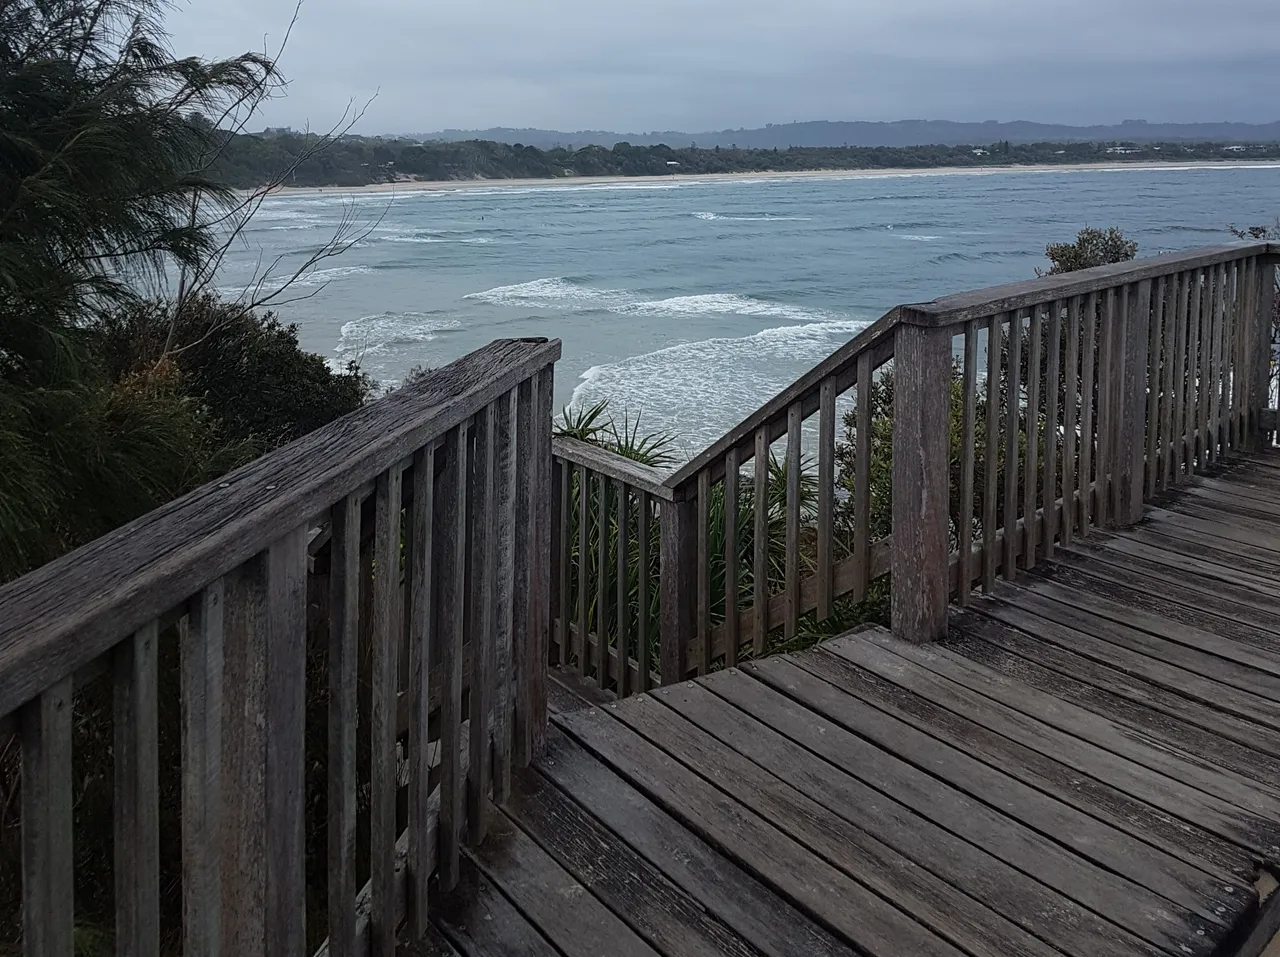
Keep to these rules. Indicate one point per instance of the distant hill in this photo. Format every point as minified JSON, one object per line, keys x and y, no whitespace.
{"x":898,"y":133}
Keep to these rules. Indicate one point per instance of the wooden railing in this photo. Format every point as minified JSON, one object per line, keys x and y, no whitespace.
{"x":976,"y":433}
{"x":428,"y":515}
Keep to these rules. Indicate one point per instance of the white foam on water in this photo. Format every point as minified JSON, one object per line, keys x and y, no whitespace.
{"x":717,"y":217}
{"x":722,"y":378}
{"x":918,"y":238}
{"x":386,"y":333}
{"x":724,"y":304}
{"x":555,"y":292}
{"x":561,"y":293}
{"x":318,"y":277}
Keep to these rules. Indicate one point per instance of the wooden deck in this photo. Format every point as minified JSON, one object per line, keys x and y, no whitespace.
{"x":1090,"y":765}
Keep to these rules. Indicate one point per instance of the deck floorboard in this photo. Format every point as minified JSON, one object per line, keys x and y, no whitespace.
{"x":1088,"y":765}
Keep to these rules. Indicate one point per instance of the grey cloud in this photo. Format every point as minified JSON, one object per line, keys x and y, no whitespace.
{"x":710,"y":64}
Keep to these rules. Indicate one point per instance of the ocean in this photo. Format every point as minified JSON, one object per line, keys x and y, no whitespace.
{"x":690,"y":302}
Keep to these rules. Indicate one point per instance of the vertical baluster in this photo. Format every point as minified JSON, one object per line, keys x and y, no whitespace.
{"x":1049,"y":495}
{"x":1088,"y":385}
{"x":264,"y":687}
{"x":791,"y":624}
{"x":624,"y":591}
{"x":503,"y":571}
{"x":602,"y":574}
{"x":826,"y":493}
{"x":421,"y":637}
{"x":643,"y":520}
{"x":1031,"y":479}
{"x":1170,"y":297}
{"x":1207,"y":354}
{"x":480,"y":599}
{"x":137,"y":795}
{"x":584,"y":564}
{"x":760,"y":504}
{"x":1178,"y":428}
{"x":1013,"y":400}
{"x":533,"y":667}
{"x":452,"y":523}
{"x":731,"y":558}
{"x":1240,"y":360}
{"x":1214,"y":430}
{"x":968,"y":418}
{"x":1071,"y":391}
{"x":200,"y":652}
{"x":1107,"y":385}
{"x":1222,"y":421}
{"x":48,"y":920}
{"x":563,"y":545}
{"x":991,"y":459}
{"x":1155,"y":376}
{"x":344,"y":652}
{"x":862,"y":481}
{"x":523,"y":608}
{"x":1262,"y":319}
{"x":1134,"y":417}
{"x":382,"y":775}
{"x":704,"y":573}
{"x":1195,"y":369}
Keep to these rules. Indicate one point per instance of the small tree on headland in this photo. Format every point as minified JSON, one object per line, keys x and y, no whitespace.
{"x":1093,"y":247}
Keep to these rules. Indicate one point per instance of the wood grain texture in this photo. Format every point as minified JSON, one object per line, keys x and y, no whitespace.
{"x":1135,"y":406}
{"x":1088,"y":430}
{"x":611,"y":465}
{"x":137,"y":793}
{"x":622,"y":588}
{"x":421,"y":632}
{"x":48,"y":918}
{"x":732,"y":555}
{"x":990,"y":459}
{"x":1012,"y":435}
{"x":480,"y":601}
{"x":1072,"y":388}
{"x":968,"y":442}
{"x":452,"y":523}
{"x":677,"y":597}
{"x":921,"y":480}
{"x":1053,"y":392}
{"x":760,"y":543}
{"x":140,"y":571}
{"x":792,"y":544}
{"x":385,"y":657}
{"x":702,"y":569}
{"x":826,"y":496}
{"x":584,"y":563}
{"x":1031,"y":475}
{"x":644,"y":523}
{"x":862,"y":480}
{"x":1154,"y":383}
{"x":602,"y":579}
{"x":201,"y":655}
{"x":504,"y":572}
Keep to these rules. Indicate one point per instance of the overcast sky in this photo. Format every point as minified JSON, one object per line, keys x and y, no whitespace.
{"x":697,"y":65}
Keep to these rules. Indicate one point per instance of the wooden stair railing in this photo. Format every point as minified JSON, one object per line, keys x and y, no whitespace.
{"x":1104,"y":388}
{"x":427,"y":516}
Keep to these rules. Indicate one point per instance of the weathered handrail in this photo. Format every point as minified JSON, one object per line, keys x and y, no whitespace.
{"x":447,"y":566}
{"x":958,"y":465}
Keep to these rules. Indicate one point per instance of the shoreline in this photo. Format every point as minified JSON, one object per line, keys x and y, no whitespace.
{"x":453,"y":186}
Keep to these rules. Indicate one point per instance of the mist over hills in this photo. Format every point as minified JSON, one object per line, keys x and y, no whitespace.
{"x":897,"y":133}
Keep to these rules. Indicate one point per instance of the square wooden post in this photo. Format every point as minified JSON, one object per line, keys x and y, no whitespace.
{"x":677,"y":585}
{"x":1260,"y":390}
{"x":921,"y":481}
{"x":1130,"y":460}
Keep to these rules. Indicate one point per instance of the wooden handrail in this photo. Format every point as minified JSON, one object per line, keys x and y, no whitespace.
{"x":432,"y":577}
{"x":66,"y":613}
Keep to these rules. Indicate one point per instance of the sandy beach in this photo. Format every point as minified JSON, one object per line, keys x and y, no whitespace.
{"x":413,"y":186}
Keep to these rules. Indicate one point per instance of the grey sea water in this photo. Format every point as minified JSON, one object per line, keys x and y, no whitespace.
{"x":692,"y":302}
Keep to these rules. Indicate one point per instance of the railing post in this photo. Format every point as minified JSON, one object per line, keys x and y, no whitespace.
{"x":677,"y":584}
{"x":1131,"y":417}
{"x":921,"y":480}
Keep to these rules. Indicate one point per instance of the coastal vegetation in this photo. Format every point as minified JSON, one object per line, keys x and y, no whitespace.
{"x":253,"y":160}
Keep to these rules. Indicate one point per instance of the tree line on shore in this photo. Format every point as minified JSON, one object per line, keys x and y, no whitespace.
{"x":250,"y":160}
